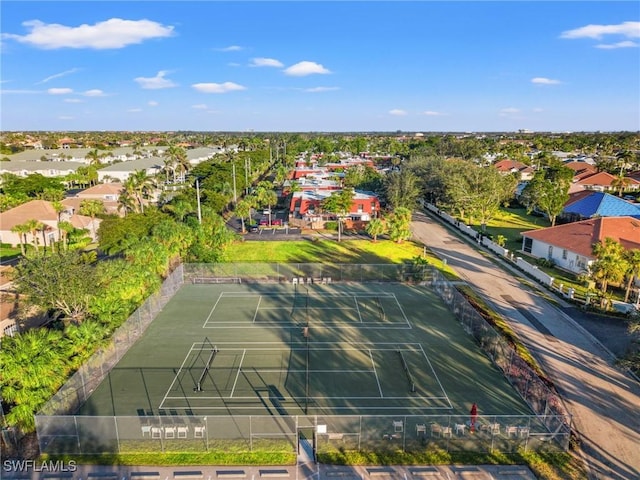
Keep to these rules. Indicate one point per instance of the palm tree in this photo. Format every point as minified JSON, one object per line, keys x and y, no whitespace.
{"x":65,"y":229}
{"x":33,"y":227}
{"x":59,"y":208}
{"x":137,"y":187}
{"x":610,"y":265}
{"x":633,"y":272}
{"x":91,"y":208}
{"x":399,"y":224}
{"x":375,"y":227}
{"x":619,"y":183}
{"x":94,"y":157}
{"x":243,"y":210}
{"x":266,"y":196}
{"x":176,"y":158}
{"x":22,"y":229}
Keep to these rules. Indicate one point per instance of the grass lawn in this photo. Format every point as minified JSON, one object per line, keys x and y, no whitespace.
{"x":329,"y":251}
{"x":510,"y":222}
{"x":8,"y":253}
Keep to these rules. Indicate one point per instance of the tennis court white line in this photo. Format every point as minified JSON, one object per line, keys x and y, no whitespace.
{"x":402,"y":311}
{"x":354,"y":408}
{"x":420,"y":398}
{"x":238,"y":372}
{"x":435,"y":375}
{"x":178,"y":374}
{"x":311,"y":295}
{"x":255,"y":314}
{"x":373,"y":364}
{"x":211,"y":312}
{"x":285,"y":371}
{"x":355,"y":299}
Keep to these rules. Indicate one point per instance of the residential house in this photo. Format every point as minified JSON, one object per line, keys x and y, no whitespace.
{"x":605,"y":182}
{"x":45,"y":213}
{"x":570,"y":245}
{"x":107,"y":193}
{"x":306,"y":205}
{"x":523,"y":172}
{"x":588,"y":204}
{"x":581,"y":170}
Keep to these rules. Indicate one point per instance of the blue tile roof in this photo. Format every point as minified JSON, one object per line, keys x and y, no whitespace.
{"x":603,"y":205}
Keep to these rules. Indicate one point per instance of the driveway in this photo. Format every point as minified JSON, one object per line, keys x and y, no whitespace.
{"x":604,"y":402}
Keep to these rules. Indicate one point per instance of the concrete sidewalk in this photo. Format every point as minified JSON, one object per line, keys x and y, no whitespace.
{"x":293,"y":472}
{"x":603,"y":400}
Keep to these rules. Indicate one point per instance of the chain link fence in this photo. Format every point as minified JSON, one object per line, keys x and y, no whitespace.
{"x":60,"y":431}
{"x":279,"y":434}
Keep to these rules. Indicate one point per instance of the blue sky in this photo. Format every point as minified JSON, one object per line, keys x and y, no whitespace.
{"x":320,"y":66}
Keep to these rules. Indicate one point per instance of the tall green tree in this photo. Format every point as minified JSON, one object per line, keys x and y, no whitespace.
{"x":60,"y":283}
{"x":548,"y":191}
{"x":402,"y":189}
{"x":339,"y":203}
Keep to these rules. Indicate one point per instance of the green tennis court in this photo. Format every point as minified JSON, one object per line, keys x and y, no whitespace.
{"x":318,"y":349}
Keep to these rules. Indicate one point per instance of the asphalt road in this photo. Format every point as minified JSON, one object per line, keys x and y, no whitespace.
{"x":603,"y":401}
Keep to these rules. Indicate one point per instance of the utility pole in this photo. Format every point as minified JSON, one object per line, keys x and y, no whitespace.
{"x":235,"y":195}
{"x":198,"y":196}
{"x":246,"y":176}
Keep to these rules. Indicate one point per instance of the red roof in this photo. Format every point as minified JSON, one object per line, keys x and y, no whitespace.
{"x":579,"y":237}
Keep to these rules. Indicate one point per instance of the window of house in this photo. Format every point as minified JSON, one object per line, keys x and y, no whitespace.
{"x":528,"y":243}
{"x":550,"y":253}
{"x":360,"y":208}
{"x":564,"y":254}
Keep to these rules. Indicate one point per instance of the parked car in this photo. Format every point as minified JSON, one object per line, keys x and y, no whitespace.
{"x":253,"y":227}
{"x":629,"y":198}
{"x":264,"y":221}
{"x":276,"y":221}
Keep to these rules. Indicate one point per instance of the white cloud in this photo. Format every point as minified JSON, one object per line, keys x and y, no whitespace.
{"x":321,"y":89}
{"x":217,"y":87}
{"x":431,"y":113}
{"x":626,"y":29}
{"x":94,"y":93}
{"x":59,"y":91}
{"x":545,"y":81}
{"x":509,"y":111}
{"x":112,"y":33}
{"x":155,"y":83}
{"x":19,"y":92}
{"x":397,"y":112}
{"x":134,"y":110}
{"x":623,"y":44}
{"x":152,"y":103}
{"x":266,"y":62}
{"x":65,"y":117}
{"x":538,"y":110}
{"x":200,"y":106}
{"x":58,"y":75}
{"x":304,"y":68}
{"x":230,"y":48}
{"x":73,"y":100}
